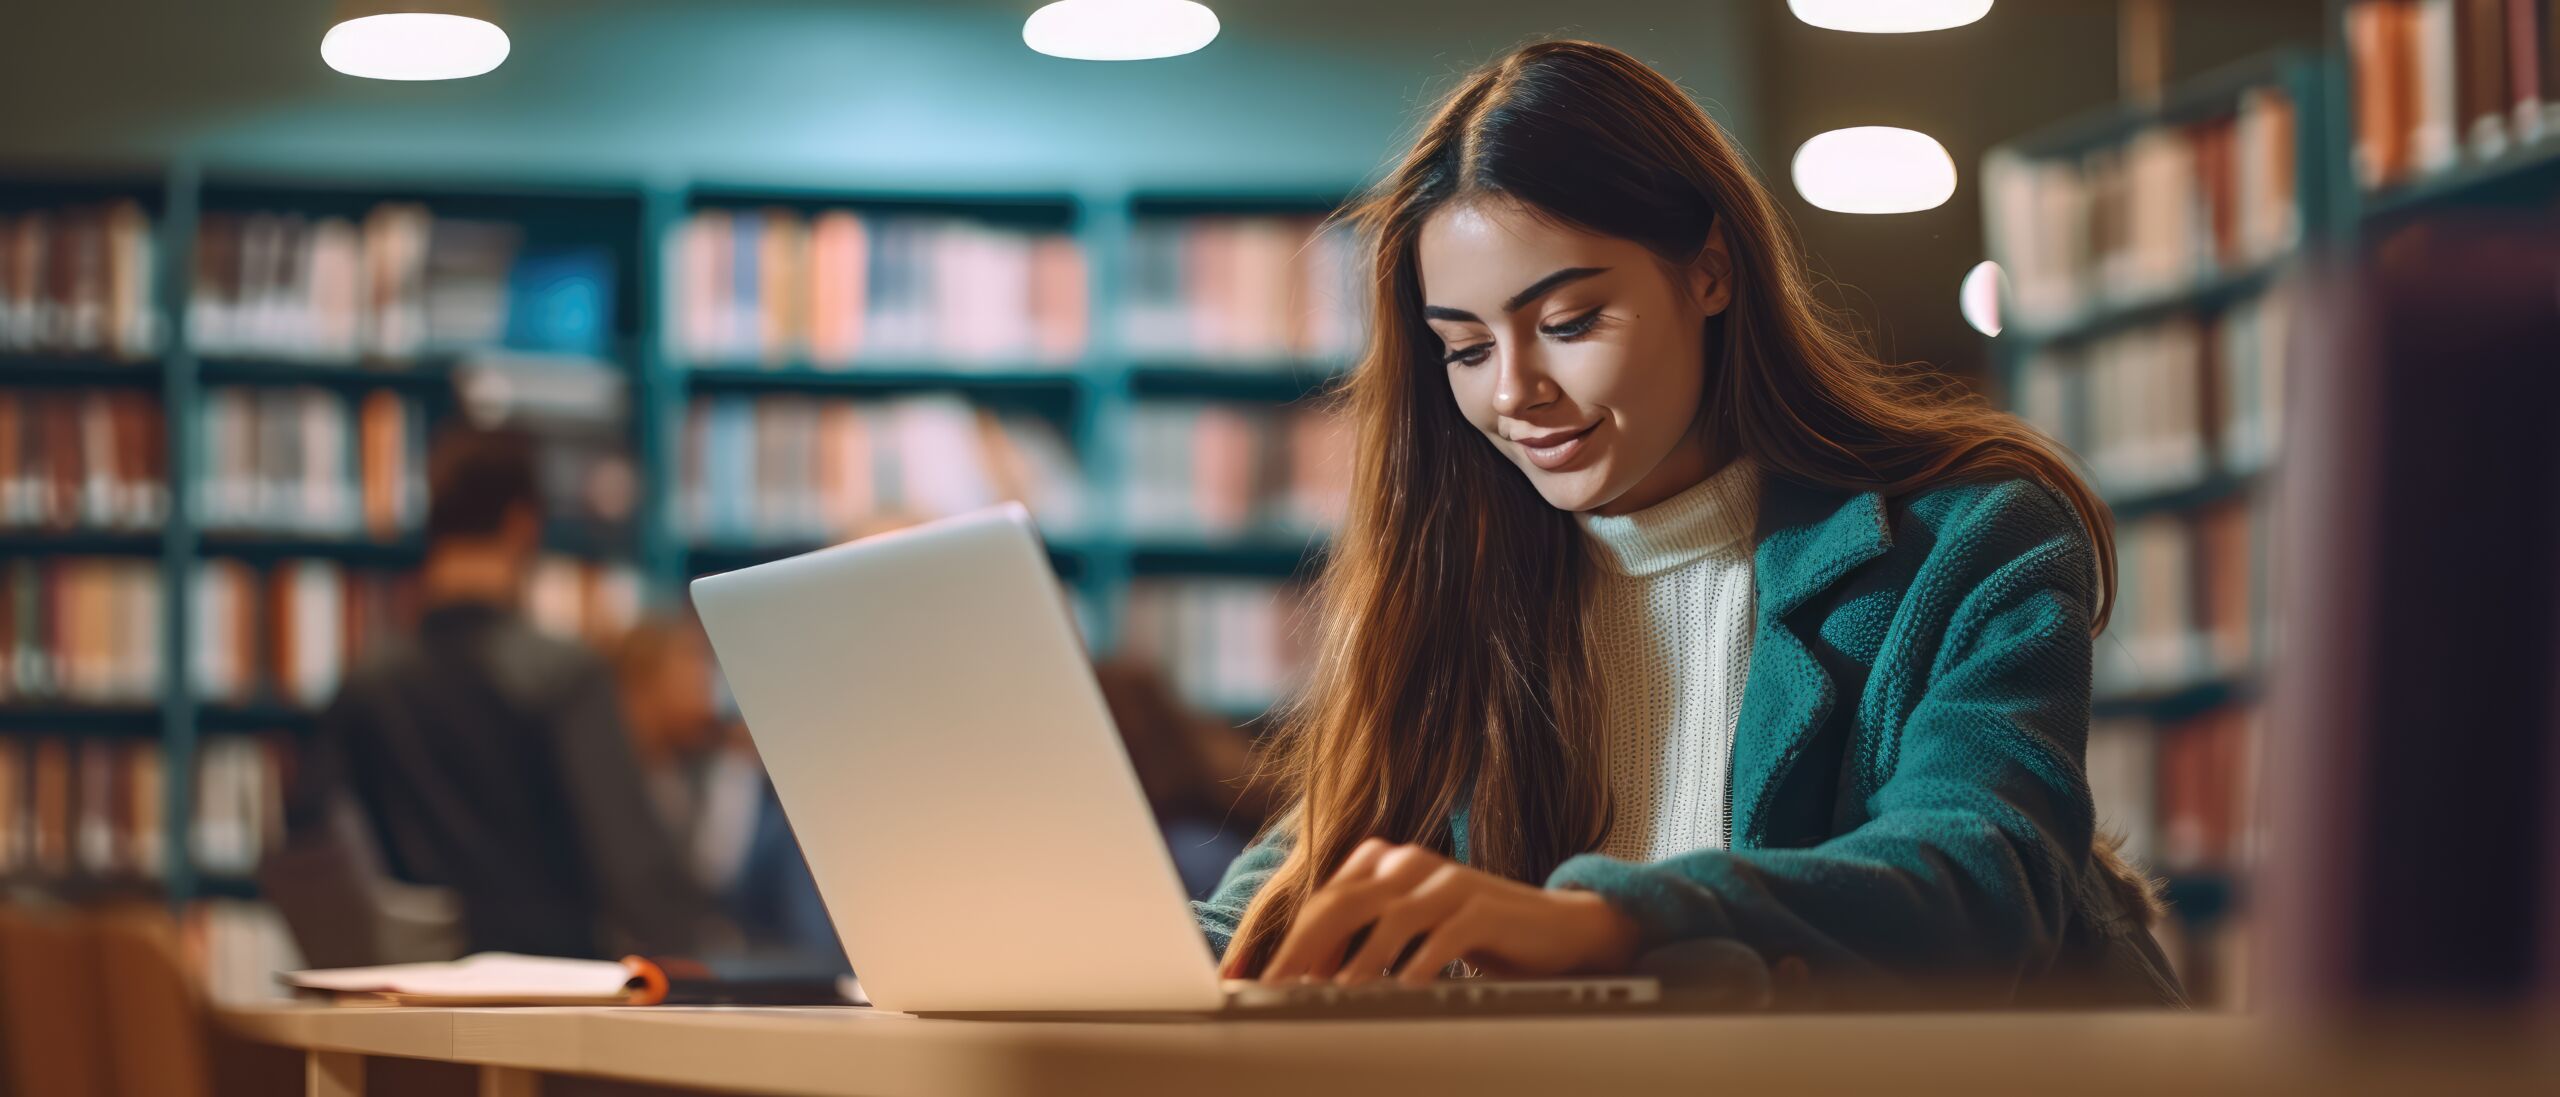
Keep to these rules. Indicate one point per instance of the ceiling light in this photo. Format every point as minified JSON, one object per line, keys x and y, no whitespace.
{"x":1889,"y":16}
{"x":1120,"y":30}
{"x":1874,"y":169}
{"x":414,"y":45}
{"x":1979,"y":297}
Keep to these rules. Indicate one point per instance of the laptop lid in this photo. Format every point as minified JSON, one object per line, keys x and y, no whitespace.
{"x":934,"y":732}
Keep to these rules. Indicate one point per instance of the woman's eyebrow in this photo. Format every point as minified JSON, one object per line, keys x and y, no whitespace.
{"x":1536,"y":290}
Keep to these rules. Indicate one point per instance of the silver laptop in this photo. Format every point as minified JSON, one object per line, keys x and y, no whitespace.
{"x":933,"y":728}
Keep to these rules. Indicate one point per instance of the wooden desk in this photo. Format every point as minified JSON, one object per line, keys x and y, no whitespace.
{"x":847,"y":1051}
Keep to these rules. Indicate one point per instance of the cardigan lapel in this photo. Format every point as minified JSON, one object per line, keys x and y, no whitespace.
{"x":1810,"y":537}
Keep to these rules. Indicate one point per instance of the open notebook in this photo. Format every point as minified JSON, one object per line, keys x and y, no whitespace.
{"x":508,"y":979}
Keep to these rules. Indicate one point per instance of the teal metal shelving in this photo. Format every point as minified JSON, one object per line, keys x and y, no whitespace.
{"x":78,"y":542}
{"x":31,"y":370}
{"x":1277,"y":383}
{"x":2175,"y":703}
{"x":46,"y":717}
{"x":429,"y":378}
{"x":1092,"y":396}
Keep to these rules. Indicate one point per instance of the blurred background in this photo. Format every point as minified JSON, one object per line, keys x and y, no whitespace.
{"x":761,"y":275}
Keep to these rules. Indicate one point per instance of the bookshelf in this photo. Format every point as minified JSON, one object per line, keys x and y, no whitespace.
{"x":2150,"y":250}
{"x":2415,"y":107}
{"x":224,"y":336}
{"x":2437,"y":106}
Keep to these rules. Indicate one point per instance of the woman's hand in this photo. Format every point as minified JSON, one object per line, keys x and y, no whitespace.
{"x":1502,"y":926}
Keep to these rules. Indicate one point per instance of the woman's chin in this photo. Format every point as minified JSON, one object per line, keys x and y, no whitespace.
{"x":1575,"y":491}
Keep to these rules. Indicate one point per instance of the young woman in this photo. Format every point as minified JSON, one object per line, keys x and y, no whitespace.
{"x":1666,"y":612}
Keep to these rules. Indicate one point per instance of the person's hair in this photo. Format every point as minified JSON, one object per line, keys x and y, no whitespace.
{"x":1452,"y":664}
{"x":476,"y":477}
{"x":644,"y":649}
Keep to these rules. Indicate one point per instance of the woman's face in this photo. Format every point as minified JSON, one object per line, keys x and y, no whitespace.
{"x":1579,"y":356}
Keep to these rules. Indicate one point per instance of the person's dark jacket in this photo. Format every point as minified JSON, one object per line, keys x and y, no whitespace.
{"x":491,"y":760}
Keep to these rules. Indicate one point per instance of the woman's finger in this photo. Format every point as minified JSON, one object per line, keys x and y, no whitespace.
{"x":1403,"y":919}
{"x":1463,"y":931}
{"x":1321,"y":932}
{"x":1360,"y":864}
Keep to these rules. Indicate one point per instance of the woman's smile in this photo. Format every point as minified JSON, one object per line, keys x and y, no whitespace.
{"x":1555,"y":449}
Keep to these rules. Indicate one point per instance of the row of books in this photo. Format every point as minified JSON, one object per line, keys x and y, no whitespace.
{"x":1229,"y":646}
{"x":92,"y":808}
{"x":77,"y":279}
{"x":784,"y":469}
{"x":89,"y":630}
{"x":2441,"y":83}
{"x":310,"y":461}
{"x":839,"y":288}
{"x":395,"y":285}
{"x":2179,"y":792}
{"x":1222,"y":470}
{"x":2174,"y":204}
{"x":286,"y":633}
{"x":82,"y":458}
{"x":2161,"y":406}
{"x":80,"y":629}
{"x":1230,"y":290}
{"x":2191,"y":599}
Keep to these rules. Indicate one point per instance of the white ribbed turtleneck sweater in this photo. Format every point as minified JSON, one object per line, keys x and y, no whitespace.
{"x":1671,"y":626}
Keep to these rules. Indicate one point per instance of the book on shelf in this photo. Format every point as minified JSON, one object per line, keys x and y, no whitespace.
{"x":838,"y":288}
{"x":93,"y":809}
{"x":1234,"y":290}
{"x":1226,"y":471}
{"x":2441,"y":83}
{"x":287,"y":633}
{"x":790,"y":469}
{"x":2124,"y":765}
{"x":2207,"y":764}
{"x":77,"y":280}
{"x":2192,"y":599}
{"x":394,"y":286}
{"x":2170,"y":206}
{"x":1228,"y":645}
{"x":2162,"y":406}
{"x":80,"y":630}
{"x":2180,"y":793}
{"x":311,"y":462}
{"x":82,"y":458}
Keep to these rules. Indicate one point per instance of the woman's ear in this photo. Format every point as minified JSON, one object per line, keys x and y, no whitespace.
{"x":1711,"y":273}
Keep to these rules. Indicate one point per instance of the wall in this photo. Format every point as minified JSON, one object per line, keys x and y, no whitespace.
{"x":1293,"y":94}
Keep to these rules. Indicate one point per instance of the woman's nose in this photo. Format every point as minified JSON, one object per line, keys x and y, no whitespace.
{"x":1521,"y":384}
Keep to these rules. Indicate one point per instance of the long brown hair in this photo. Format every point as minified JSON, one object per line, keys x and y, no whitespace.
{"x":1453,"y":665}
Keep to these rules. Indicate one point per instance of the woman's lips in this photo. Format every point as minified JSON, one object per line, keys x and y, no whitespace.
{"x":1556,"y":449}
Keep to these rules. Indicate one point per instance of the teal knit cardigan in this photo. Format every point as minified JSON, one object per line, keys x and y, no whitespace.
{"x":1910,"y":817}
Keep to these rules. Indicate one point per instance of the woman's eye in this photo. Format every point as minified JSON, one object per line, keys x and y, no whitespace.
{"x":1575,"y":326}
{"x":1465,"y":356}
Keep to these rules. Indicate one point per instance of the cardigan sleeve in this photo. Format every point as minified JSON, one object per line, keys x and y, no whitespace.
{"x":1225,"y":907}
{"x":1978,"y":818}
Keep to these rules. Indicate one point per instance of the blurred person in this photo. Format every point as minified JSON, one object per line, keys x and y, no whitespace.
{"x":1666,"y":614}
{"x":1194,"y":770}
{"x":489,"y":759}
{"x":712,"y":792}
